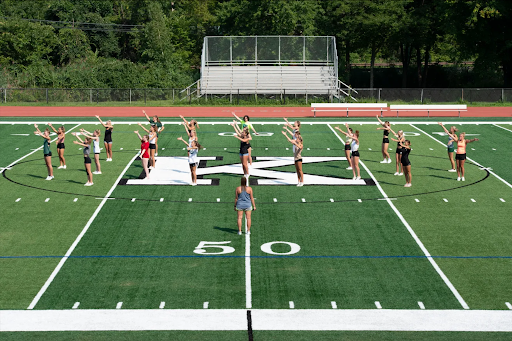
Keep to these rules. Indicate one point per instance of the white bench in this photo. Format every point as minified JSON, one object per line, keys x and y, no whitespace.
{"x":349,"y":107}
{"x":429,"y":108}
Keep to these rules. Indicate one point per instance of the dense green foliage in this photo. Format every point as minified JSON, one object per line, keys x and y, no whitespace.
{"x":157,"y":43}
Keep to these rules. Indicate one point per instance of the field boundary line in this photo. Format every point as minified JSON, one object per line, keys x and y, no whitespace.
{"x":494,"y":124}
{"x":77,"y":240}
{"x":248,"y":284}
{"x":228,"y":122}
{"x":413,"y":234}
{"x":470,"y":159}
{"x":262,"y":319}
{"x":35,"y":150}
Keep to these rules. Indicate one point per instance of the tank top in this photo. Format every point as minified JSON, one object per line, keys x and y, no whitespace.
{"x":461,"y":147}
{"x":296,"y":153}
{"x":293,"y":136}
{"x":108,"y":135}
{"x":405,"y":156}
{"x":145,"y":146}
{"x":153,"y":140}
{"x":61,"y":139}
{"x":244,"y":147}
{"x":46,"y":146}
{"x":96,"y":144}
{"x":354,"y":146}
{"x":450,"y":141}
{"x":87,"y":151}
{"x":386,"y":133}
{"x":349,"y":140}
{"x":244,"y":200}
{"x":192,"y":156}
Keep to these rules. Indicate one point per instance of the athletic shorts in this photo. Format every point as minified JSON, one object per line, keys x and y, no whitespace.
{"x":61,"y":146}
{"x":385,"y":140}
{"x":299,"y":160}
{"x":96,"y":153}
{"x":87,"y":159}
{"x":460,"y":157}
{"x":152,"y":146}
{"x":451,"y":149}
{"x":244,"y":154}
{"x":347,"y":147}
{"x":398,"y":151}
{"x":49,"y":154}
{"x":110,"y":142}
{"x":244,"y":209}
{"x":193,"y":164}
{"x":408,"y":164}
{"x":356,"y":153}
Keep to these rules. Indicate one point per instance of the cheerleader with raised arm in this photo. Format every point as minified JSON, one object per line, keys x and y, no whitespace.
{"x":297,"y":157}
{"x":193,"y":148}
{"x":87,"y":159}
{"x":451,"y":146}
{"x":46,"y":150}
{"x":245,"y":124}
{"x":95,"y":136}
{"x":348,"y":142}
{"x":406,"y":164}
{"x":144,"y":152}
{"x":398,"y":152}
{"x":152,"y":131}
{"x":386,"y":126}
{"x":460,"y":156}
{"x":61,"y":136}
{"x":192,"y":125}
{"x":245,"y":137}
{"x":107,"y":139}
{"x":159,"y":127}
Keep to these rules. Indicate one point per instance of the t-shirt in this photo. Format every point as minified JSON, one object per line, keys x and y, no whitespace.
{"x":145,"y":145}
{"x":246,"y":124}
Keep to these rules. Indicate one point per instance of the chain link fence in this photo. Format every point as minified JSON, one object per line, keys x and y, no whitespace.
{"x":234,"y":97}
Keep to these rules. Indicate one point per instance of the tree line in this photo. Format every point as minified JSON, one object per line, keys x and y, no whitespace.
{"x":157,"y":43}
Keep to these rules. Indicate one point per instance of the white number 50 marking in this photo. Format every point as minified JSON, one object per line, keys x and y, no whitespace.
{"x":200,"y":249}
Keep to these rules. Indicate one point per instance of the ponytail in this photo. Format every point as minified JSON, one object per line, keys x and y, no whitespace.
{"x":357,"y":133}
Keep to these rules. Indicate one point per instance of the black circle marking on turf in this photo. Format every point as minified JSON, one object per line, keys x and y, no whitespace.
{"x":262,"y":203}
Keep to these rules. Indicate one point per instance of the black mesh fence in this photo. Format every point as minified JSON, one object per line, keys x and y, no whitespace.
{"x":482,"y":95}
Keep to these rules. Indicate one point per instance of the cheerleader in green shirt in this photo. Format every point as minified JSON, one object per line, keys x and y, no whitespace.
{"x":46,"y":150}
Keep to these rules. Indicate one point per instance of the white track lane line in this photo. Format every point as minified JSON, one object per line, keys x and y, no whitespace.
{"x":77,"y":240}
{"x":413,"y":234}
{"x":476,"y":163}
{"x":502,"y":128}
{"x":248,"y":285}
{"x":35,"y":150}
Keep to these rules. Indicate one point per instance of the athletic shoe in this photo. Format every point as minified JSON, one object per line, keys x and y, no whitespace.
{"x":248,"y":232}
{"x":89,"y":184}
{"x":239,"y":233}
{"x":298,"y":185}
{"x":151,"y":167}
{"x":389,"y":160}
{"x":156,"y":154}
{"x":396,"y":173}
{"x":349,"y":168}
{"x":96,"y":172}
{"x":407,"y":185}
{"x":463,"y":179}
{"x":354,"y":178}
{"x":358,"y":178}
{"x":452,"y":170}
{"x":458,"y":179}
{"x":400,"y":174}
{"x":49,"y":177}
{"x":384,"y":161}
{"x":60,"y":167}
{"x":193,"y":184}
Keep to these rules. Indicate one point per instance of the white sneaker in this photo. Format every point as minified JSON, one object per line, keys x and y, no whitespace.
{"x":354,"y":178}
{"x":248,"y":232}
{"x":156,"y":154}
{"x":60,"y":167}
{"x":389,"y":160}
{"x":452,"y":170}
{"x":193,"y":184}
{"x":96,"y":172}
{"x":151,"y":167}
{"x":88,"y":184}
{"x":239,"y":233}
{"x":358,"y":178}
{"x":458,"y":179}
{"x":463,"y":179}
{"x":384,"y":161}
{"x":298,"y":185}
{"x":49,"y":177}
{"x":396,"y":173}
{"x":400,"y":174}
{"x":349,"y":168}
{"x":64,"y":167}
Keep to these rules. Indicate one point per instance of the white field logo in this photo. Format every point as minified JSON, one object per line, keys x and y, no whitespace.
{"x":176,"y":171}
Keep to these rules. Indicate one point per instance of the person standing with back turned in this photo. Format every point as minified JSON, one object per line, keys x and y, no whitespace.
{"x":244,"y":202}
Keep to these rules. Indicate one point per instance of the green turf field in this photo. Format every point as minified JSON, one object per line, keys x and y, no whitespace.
{"x":439,"y":245}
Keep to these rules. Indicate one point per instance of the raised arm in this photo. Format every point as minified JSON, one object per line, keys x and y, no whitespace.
{"x":288,"y":123}
{"x":147,"y":130}
{"x":81,"y":144}
{"x":99,"y":119}
{"x":453,"y":136}
{"x":237,"y":129}
{"x":137,"y":132}
{"x":472,"y":140}
{"x":147,"y":117}
{"x":51,"y":126}
{"x":184,"y":120}
{"x":380,"y":121}
{"x":391,"y":130}
{"x":78,"y":137}
{"x":235,"y":116}
{"x":288,"y":130}
{"x":181,"y":139}
{"x":37,"y":132}
{"x":341,"y":131}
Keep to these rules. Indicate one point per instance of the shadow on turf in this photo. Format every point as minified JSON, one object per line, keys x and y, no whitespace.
{"x":225,"y":229}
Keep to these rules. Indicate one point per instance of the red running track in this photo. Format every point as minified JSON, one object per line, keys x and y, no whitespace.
{"x":20,"y":111}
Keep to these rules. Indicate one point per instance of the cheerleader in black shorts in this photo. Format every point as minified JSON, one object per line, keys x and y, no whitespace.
{"x":386,"y":126}
{"x":245,"y":137}
{"x":87,"y":159}
{"x":348,"y":142}
{"x":406,"y":164}
{"x":153,"y":134}
{"x":460,"y":157}
{"x":298,"y":146}
{"x":398,"y":153}
{"x":108,"y":137}
{"x":61,"y":136}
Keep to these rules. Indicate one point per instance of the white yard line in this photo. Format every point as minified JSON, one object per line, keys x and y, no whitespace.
{"x":476,"y":163}
{"x":413,"y":234}
{"x":502,"y":127}
{"x":77,"y":240}
{"x":262,"y":319}
{"x":35,"y":150}
{"x":227,"y":123}
{"x":248,"y":285}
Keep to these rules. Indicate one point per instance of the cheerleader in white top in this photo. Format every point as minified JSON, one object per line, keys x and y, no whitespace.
{"x":95,"y":137}
{"x":193,"y":148}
